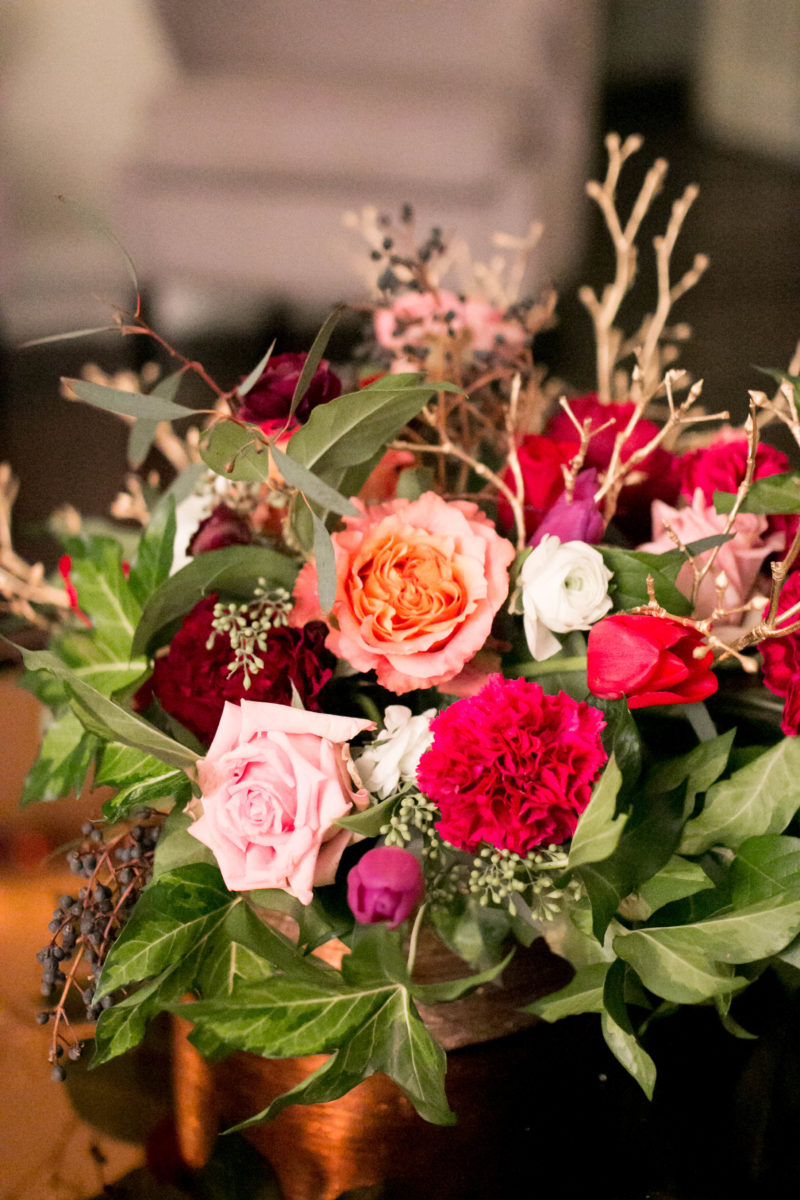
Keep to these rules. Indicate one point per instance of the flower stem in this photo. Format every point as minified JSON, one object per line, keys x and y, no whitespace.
{"x":412,"y":943}
{"x":552,"y":666}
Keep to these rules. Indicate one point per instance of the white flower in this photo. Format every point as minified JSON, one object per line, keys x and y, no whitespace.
{"x":393,"y":757}
{"x":564,"y":587}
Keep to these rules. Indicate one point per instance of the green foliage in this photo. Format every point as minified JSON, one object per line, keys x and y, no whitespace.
{"x":63,"y":763}
{"x":772,"y":494}
{"x":631,"y":568}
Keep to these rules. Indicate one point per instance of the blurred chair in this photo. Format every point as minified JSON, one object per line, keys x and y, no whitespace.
{"x":293,"y":111}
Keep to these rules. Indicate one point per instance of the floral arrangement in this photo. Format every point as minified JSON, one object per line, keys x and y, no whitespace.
{"x":451,"y":649}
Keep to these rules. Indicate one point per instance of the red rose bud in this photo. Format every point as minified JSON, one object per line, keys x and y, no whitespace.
{"x":268,"y":402}
{"x":223,"y":528}
{"x":540,"y":460}
{"x":385,"y":885}
{"x":575,"y":520}
{"x":649,"y":660}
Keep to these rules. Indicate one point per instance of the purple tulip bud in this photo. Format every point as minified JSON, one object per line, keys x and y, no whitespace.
{"x":223,"y":528}
{"x":385,"y":885}
{"x":576,"y":520}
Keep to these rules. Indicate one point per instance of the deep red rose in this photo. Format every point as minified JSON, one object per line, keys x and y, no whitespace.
{"x":511,"y":766}
{"x":721,"y":467}
{"x":782,"y":661}
{"x":659,"y":467}
{"x":649,"y":660}
{"x":541,"y":459}
{"x":268,"y":401}
{"x":224,"y":527}
{"x":192,"y":682}
{"x":386,"y":884}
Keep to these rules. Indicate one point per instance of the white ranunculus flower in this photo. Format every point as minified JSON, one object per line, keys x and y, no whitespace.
{"x":564,"y":587}
{"x":394,"y":755}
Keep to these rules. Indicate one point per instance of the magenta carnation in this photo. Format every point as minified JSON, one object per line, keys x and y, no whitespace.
{"x":512,"y":766}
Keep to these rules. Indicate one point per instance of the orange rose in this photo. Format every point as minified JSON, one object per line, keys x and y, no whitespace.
{"x":418,"y":583}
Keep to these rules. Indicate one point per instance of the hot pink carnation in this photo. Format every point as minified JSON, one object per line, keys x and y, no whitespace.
{"x":512,"y":766}
{"x":782,"y":661}
{"x":273,"y":782}
{"x":418,"y":584}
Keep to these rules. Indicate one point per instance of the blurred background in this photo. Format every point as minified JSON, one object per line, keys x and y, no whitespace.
{"x":222,"y":143}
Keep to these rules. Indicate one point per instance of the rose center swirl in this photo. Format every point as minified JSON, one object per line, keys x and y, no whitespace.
{"x":405,"y":589}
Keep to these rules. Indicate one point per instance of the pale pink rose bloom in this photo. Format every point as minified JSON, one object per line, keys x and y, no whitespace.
{"x":418,"y":584}
{"x":273,"y":782}
{"x":741,"y":558}
{"x":414,"y":318}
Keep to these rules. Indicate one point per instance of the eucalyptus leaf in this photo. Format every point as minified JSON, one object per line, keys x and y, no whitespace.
{"x":310,"y":485}
{"x":92,"y":221}
{"x":107,"y":719}
{"x":140,"y":439}
{"x":130,"y":404}
{"x":236,"y":451}
{"x":252,"y":379}
{"x":314,"y":357}
{"x":325,"y":562}
{"x":230,"y":572}
{"x":760,"y":797}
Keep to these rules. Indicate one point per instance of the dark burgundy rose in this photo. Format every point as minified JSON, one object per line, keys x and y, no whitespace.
{"x":192,"y":683}
{"x":223,"y":528}
{"x":267,"y":403}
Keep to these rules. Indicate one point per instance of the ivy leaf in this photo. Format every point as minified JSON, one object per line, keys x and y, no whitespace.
{"x":598,"y":831}
{"x":475,"y":933}
{"x":230,"y":960}
{"x":177,"y":848}
{"x":105,"y":594}
{"x":583,"y":994}
{"x":123,"y":1026}
{"x":626,"y":1049}
{"x":141,"y":780}
{"x":631,"y":569}
{"x":156,"y":551}
{"x":174,"y":915}
{"x":760,"y":797}
{"x":764,"y":867}
{"x":621,"y":738}
{"x":230,"y":571}
{"x":701,"y":767}
{"x":63,"y":763}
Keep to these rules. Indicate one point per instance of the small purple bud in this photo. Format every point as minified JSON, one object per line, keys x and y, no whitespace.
{"x":223,"y":528}
{"x":578,"y":520}
{"x":385,"y":885}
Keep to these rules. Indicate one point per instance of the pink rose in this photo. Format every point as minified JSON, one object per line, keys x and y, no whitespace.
{"x":418,"y":584}
{"x":740,"y":559}
{"x":415,"y":319}
{"x":273,"y":782}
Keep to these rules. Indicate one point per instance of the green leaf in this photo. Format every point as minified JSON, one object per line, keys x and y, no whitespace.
{"x":314,"y":356}
{"x":63,"y":763}
{"x":130,"y":404}
{"x":764,"y":867}
{"x":352,"y":428}
{"x":413,"y":481}
{"x":156,"y":550}
{"x":141,"y":780}
{"x":177,"y":848}
{"x":140,"y":439}
{"x":252,"y":379}
{"x":105,"y":594}
{"x":768,"y":496}
{"x":701,"y":767}
{"x":474,"y":932}
{"x":370,"y":822}
{"x":66,"y":337}
{"x":236,"y":451}
{"x":92,"y":221}
{"x":325,"y":562}
{"x":598,"y":830}
{"x":621,"y":738}
{"x":626,"y":1049}
{"x":105,"y":718}
{"x":231,"y":572}
{"x":453,"y":989}
{"x":631,"y":569}
{"x":583,"y":994}
{"x":123,"y":1026}
{"x":310,"y":485}
{"x":677,"y":879}
{"x":282,"y":1017}
{"x":394,"y":1041}
{"x":232,"y":959}
{"x":174,"y":916}
{"x":760,"y":797}
{"x":672,"y":966}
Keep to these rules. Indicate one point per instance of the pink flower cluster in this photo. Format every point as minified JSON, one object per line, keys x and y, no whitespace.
{"x":416,"y":319}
